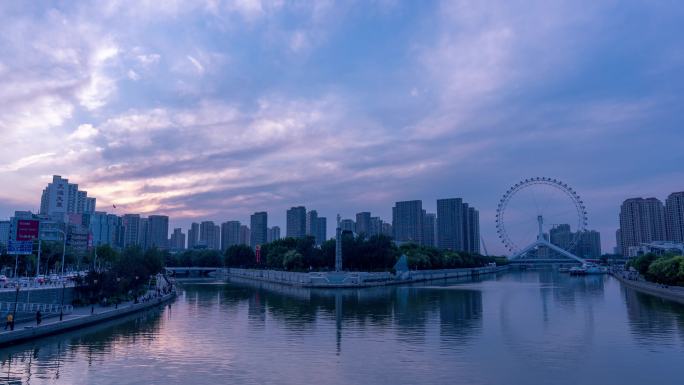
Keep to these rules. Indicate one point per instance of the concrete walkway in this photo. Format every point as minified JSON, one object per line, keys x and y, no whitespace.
{"x":80,"y":317}
{"x":670,"y":293}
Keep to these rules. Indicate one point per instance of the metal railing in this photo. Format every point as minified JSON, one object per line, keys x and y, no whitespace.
{"x":33,"y":307}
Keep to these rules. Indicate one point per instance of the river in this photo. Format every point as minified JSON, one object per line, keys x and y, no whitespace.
{"x":532,"y":327}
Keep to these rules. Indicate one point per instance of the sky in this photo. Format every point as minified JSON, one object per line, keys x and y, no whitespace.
{"x":211,"y":110}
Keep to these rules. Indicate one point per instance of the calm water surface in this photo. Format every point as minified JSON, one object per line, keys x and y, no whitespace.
{"x":518,"y":328}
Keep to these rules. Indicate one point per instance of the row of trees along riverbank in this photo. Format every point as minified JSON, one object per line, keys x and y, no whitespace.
{"x":118,"y":275}
{"x":377,"y":253}
{"x":667,"y":269}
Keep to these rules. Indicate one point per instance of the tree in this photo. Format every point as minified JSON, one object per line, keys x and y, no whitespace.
{"x":293,"y":260}
{"x":240,"y":256}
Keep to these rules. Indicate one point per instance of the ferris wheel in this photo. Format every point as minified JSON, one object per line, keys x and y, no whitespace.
{"x":557,"y":206}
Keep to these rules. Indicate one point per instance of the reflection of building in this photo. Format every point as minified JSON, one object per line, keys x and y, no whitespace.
{"x":460,"y":314}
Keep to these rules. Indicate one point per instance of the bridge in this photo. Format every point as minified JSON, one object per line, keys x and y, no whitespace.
{"x":191,"y":271}
{"x":520,"y":257}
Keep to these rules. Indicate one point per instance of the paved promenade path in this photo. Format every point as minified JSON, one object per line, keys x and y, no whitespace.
{"x":79,"y":317}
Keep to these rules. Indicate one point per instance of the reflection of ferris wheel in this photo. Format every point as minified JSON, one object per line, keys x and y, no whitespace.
{"x":576,"y":214}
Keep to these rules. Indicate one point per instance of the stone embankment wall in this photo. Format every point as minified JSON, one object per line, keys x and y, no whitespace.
{"x":353,"y":279}
{"x":670,"y":293}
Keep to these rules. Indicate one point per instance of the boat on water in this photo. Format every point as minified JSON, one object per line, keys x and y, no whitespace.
{"x":588,"y":269}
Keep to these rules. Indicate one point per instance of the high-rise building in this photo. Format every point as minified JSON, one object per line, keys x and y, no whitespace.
{"x":562,"y":236}
{"x":375,"y":226}
{"x":90,"y":204}
{"x":132,"y":229}
{"x":585,"y":244}
{"x":61,"y":198}
{"x":588,"y":244}
{"x":273,"y":234}
{"x":258,"y":229}
{"x":311,"y":222}
{"x":210,"y":235}
{"x":321,"y":230}
{"x":429,"y":226}
{"x":641,"y":221}
{"x":363,"y":223}
{"x":4,"y":234}
{"x":244,"y":235}
{"x":144,"y":236}
{"x":177,"y":241}
{"x":674,"y":217}
{"x":158,"y":232}
{"x":407,"y":221}
{"x":471,"y":229}
{"x":105,"y":229}
{"x":450,"y":220}
{"x":193,"y":236}
{"x":348,"y":225}
{"x":387,"y":229}
{"x":296,"y":222}
{"x":230,"y":234}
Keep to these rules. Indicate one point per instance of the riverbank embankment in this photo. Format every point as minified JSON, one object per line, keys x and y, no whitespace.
{"x":670,"y":293}
{"x":79,"y":318}
{"x":354,"y":279}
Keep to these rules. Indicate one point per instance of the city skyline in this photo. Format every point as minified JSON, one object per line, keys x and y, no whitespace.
{"x":342,"y":107}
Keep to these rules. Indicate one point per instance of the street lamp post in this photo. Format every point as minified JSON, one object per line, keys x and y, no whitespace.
{"x":61,"y":308}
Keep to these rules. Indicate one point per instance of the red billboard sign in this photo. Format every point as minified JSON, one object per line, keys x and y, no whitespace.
{"x":27,"y":229}
{"x":258,"y":254}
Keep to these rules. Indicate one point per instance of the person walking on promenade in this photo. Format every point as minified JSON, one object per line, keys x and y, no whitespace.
{"x":10,"y":321}
{"x":39,"y":318}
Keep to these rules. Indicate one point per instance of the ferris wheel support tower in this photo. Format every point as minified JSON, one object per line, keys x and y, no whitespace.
{"x":541,"y":241}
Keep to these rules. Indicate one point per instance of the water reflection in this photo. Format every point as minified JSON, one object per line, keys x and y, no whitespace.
{"x":535,"y":327}
{"x":42,"y":359}
{"x":653,"y":321}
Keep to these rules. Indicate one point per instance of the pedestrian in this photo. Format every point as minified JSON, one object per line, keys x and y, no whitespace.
{"x":10,"y":321}
{"x":39,"y":317}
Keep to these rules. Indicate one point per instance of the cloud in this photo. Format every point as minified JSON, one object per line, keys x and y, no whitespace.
{"x":214,"y":109}
{"x":197,"y":64}
{"x":26,"y":162}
